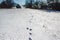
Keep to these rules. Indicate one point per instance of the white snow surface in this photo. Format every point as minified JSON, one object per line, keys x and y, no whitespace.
{"x":13,"y":23}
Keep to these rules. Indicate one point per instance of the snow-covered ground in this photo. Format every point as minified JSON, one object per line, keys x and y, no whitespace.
{"x":15,"y":24}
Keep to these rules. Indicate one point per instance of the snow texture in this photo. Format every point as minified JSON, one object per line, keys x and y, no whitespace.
{"x":17,"y":24}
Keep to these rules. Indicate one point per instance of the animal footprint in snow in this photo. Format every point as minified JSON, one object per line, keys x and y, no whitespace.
{"x":27,"y":28}
{"x":30,"y":39}
{"x":30,"y":33}
{"x":30,"y":29}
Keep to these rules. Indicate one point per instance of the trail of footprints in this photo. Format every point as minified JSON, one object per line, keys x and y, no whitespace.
{"x":30,"y":29}
{"x":2,"y":36}
{"x":30,"y":33}
{"x":56,"y":36}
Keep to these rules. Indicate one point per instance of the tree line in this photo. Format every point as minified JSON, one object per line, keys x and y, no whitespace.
{"x":51,"y":4}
